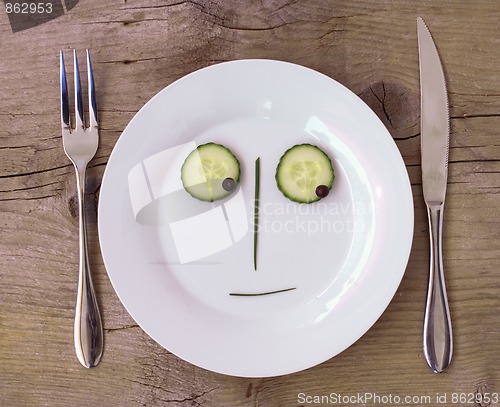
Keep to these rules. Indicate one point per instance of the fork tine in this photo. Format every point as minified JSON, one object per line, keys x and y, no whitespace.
{"x":64,"y":93}
{"x":93,"y":121}
{"x":78,"y":95}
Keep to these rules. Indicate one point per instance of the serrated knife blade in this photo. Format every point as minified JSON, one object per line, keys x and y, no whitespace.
{"x":434,"y":129}
{"x":434,"y":125}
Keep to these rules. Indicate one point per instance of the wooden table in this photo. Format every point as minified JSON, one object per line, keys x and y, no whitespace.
{"x":138,"y":48}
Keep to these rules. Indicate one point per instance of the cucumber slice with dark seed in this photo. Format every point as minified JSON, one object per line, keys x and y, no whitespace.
{"x":303,"y":170}
{"x":205,"y":170}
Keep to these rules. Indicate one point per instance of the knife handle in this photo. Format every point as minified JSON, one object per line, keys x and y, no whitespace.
{"x":437,"y":334}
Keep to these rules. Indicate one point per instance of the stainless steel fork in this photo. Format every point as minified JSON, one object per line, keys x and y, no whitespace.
{"x":80,"y":144}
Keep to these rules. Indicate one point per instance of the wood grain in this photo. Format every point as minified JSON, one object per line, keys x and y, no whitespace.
{"x":138,"y":48}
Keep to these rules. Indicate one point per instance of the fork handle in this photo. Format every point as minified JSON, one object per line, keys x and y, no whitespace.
{"x":88,"y":325}
{"x":437,"y":334}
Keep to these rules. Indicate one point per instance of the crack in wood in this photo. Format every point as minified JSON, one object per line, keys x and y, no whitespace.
{"x":130,"y":61}
{"x":180,"y":3}
{"x":22,"y":114}
{"x":396,"y":105}
{"x":116,"y":111}
{"x":381,"y":100}
{"x":473,"y":146}
{"x":36,"y":198}
{"x":150,"y":385}
{"x":329,"y":32}
{"x":193,"y":398}
{"x":406,"y":138}
{"x":96,"y":165}
{"x":476,"y":116}
{"x":286,"y":5}
{"x":30,"y":188}
{"x":489,"y":160}
{"x":121,"y":328}
{"x":216,"y":19}
{"x":15,"y":147}
{"x":26,"y":174}
{"x":475,"y":94}
{"x":257,"y":29}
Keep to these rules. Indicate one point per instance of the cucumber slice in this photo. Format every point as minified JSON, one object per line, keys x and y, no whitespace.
{"x":301,"y":170}
{"x":205,"y":169}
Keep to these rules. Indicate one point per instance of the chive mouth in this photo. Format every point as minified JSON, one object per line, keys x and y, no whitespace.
{"x":261,"y":294}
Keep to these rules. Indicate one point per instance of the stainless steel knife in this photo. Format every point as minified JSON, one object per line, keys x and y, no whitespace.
{"x":435,"y":136}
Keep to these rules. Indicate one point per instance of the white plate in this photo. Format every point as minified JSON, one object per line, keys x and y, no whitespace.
{"x":174,"y":260}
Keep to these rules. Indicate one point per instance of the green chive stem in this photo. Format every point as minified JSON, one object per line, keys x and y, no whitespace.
{"x":259,"y":294}
{"x":256,"y":212}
